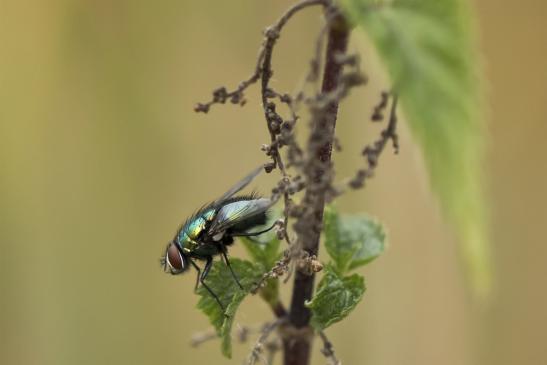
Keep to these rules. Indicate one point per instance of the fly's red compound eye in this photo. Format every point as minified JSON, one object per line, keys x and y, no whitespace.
{"x":174,"y":259}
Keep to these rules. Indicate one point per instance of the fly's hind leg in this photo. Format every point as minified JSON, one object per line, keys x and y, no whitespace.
{"x":252,"y":234}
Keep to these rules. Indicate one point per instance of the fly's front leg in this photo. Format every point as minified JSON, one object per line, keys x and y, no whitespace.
{"x":199,"y":273}
{"x":202,"y":277}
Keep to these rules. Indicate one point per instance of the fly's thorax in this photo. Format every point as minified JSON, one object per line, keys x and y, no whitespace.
{"x":186,"y":243}
{"x":190,"y":233}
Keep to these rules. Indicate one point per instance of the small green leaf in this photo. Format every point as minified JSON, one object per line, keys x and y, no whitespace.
{"x":222,"y":283}
{"x":263,"y":249}
{"x":336,"y":297}
{"x":352,"y":240}
{"x":429,"y":50}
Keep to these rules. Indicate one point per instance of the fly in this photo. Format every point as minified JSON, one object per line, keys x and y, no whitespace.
{"x":212,"y":229}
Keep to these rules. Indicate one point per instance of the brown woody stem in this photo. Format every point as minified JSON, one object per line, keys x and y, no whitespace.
{"x":297,"y":348}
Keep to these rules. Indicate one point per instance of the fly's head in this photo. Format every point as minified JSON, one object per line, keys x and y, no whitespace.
{"x":174,"y":260}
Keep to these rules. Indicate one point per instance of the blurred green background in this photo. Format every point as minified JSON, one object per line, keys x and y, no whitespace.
{"x":102,"y":157}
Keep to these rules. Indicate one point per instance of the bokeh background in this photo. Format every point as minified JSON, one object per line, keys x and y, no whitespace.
{"x":102,"y":157}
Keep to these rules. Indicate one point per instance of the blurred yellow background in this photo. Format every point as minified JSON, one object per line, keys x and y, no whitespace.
{"x":102,"y":157}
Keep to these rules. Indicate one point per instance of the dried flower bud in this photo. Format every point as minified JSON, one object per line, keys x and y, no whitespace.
{"x":201,"y":108}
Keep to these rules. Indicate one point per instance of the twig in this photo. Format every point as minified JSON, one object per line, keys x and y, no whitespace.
{"x":280,"y":268}
{"x":347,"y":81}
{"x":221,"y":95}
{"x":236,"y":96}
{"x":202,"y":337}
{"x":272,"y":347}
{"x":328,"y":350}
{"x":281,"y":132}
{"x":315,"y":63}
{"x":210,"y":334}
{"x":257,"y":349}
{"x":273,"y":119}
{"x":378,"y":114}
{"x":372,"y":152}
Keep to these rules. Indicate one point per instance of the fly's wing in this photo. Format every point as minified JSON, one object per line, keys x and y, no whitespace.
{"x":237,"y":212}
{"x":240,"y":185}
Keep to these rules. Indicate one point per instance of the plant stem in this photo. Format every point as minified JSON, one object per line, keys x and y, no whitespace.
{"x":297,"y":348}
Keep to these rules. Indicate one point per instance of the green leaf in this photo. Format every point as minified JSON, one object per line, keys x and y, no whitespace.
{"x":222,"y":283}
{"x":336,"y":297}
{"x":429,"y":51}
{"x":352,"y":240}
{"x":263,"y":249}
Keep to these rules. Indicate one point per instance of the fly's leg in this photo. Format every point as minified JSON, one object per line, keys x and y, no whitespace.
{"x":230,"y":266}
{"x":202,"y":277}
{"x":251,"y":234}
{"x":199,"y":273}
